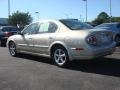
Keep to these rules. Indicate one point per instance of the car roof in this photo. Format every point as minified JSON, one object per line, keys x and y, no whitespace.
{"x":53,"y":20}
{"x":68,"y":19}
{"x":112,"y":23}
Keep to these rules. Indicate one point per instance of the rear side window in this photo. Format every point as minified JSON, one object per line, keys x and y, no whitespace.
{"x":52,"y":27}
{"x":48,"y":27}
{"x":44,"y":27}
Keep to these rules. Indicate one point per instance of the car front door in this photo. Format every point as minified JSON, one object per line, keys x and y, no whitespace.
{"x":25,"y":42}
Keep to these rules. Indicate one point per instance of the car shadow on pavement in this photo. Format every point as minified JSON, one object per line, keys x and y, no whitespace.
{"x":35,"y":58}
{"x":103,"y":66}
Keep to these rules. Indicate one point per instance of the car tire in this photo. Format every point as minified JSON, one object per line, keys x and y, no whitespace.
{"x":1,"y":44}
{"x":60,"y":56}
{"x":117,"y":39}
{"x":12,"y":49}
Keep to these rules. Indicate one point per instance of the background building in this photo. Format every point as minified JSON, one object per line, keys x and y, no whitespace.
{"x":3,"y":21}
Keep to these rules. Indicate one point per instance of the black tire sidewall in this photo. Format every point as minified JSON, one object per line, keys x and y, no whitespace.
{"x":117,"y":42}
{"x":1,"y":44}
{"x":117,"y":38}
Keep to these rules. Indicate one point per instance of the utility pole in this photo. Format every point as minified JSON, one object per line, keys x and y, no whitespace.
{"x":86,"y":9}
{"x":80,"y":17}
{"x":37,"y":14}
{"x":8,"y":8}
{"x":110,"y":11}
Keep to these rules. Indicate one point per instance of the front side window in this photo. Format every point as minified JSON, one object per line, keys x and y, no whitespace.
{"x":31,"y":29}
{"x":75,"y":24}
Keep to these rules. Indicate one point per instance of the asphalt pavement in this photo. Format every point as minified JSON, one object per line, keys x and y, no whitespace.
{"x":28,"y":72}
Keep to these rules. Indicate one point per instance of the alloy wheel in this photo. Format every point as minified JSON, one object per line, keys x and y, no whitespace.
{"x":60,"y":57}
{"x":12,"y":49}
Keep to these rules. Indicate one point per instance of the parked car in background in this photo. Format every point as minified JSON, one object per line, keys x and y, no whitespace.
{"x":5,"y":32}
{"x":115,"y":27}
{"x":62,"y":40}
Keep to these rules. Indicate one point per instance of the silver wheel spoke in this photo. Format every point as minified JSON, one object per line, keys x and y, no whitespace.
{"x":63,"y":55}
{"x":56,"y":55}
{"x":57,"y":60}
{"x":60,"y":56}
{"x":59,"y":51}
{"x":62,"y":60}
{"x":12,"y":49}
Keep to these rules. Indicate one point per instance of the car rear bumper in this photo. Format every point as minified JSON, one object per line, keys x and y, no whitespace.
{"x":92,"y":52}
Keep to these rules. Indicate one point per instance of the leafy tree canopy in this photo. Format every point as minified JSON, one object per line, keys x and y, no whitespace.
{"x":101,"y":18}
{"x":20,"y":19}
{"x":103,"y":15}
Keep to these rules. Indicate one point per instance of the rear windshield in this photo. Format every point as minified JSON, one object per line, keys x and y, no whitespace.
{"x":104,"y":25}
{"x":76,"y":24}
{"x":9,"y":29}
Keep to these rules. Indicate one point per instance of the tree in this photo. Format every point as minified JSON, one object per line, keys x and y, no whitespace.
{"x":115,"y":19}
{"x":20,"y":19}
{"x":101,"y":18}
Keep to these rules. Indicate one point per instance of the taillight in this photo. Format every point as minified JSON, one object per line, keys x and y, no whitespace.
{"x":92,"y":40}
{"x":7,"y":34}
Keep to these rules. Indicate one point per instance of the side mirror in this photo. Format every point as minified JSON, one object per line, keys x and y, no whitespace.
{"x":20,"y":33}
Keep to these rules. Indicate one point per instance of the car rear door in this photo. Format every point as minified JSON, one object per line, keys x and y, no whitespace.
{"x":45,"y":36}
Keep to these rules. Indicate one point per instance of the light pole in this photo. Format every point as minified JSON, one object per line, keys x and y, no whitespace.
{"x":37,"y":13}
{"x":80,"y":17}
{"x":8,"y":8}
{"x":86,"y":9}
{"x":110,"y":11}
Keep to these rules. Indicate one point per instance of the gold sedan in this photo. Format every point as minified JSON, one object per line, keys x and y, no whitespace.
{"x":62,"y":40}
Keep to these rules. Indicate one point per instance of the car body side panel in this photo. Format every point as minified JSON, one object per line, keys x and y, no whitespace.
{"x":24,"y":42}
{"x":41,"y":43}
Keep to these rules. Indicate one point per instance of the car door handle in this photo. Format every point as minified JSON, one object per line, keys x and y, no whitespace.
{"x":50,"y":37}
{"x":30,"y":38}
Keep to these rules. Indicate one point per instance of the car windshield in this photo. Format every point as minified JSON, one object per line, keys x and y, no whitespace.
{"x":76,"y":24}
{"x":9,"y":29}
{"x":105,"y":26}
